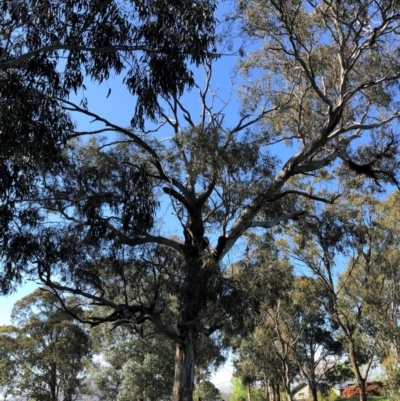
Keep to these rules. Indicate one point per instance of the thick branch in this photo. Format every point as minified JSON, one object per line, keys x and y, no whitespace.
{"x":163,"y":328}
{"x":278,"y":220}
{"x":146,"y":239}
{"x":136,"y":139}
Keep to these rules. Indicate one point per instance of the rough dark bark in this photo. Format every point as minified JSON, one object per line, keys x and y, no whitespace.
{"x":363,"y":390}
{"x":314,"y":393}
{"x":361,"y":381}
{"x":185,"y":353}
{"x":278,"y":392}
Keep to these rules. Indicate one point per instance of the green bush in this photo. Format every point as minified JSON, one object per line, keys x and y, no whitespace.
{"x":330,"y":396}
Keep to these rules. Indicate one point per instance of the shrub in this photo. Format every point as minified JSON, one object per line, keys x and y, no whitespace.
{"x":329,"y":396}
{"x":350,"y":392}
{"x":374,"y":388}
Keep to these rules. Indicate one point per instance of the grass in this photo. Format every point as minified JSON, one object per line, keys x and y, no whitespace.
{"x":369,"y":398}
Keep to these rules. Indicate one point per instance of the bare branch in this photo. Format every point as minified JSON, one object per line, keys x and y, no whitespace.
{"x":278,"y":220}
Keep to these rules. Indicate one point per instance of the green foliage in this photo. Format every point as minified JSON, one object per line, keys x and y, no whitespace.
{"x":206,"y":390}
{"x":359,"y":232}
{"x":330,"y":396}
{"x":240,"y":392}
{"x":49,"y":49}
{"x":133,"y":366}
{"x":149,"y":41}
{"x":392,"y":373}
{"x":339,"y":373}
{"x":42,"y":355}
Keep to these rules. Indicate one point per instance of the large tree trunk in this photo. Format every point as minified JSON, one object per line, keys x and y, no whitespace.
{"x":362,"y":388}
{"x":184,"y":367}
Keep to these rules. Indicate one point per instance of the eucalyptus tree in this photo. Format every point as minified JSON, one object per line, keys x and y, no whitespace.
{"x":314,"y":340}
{"x":131,"y":366}
{"x":49,"y":48}
{"x":263,"y":343}
{"x":359,"y":296}
{"x":259,"y":363}
{"x":240,"y":392}
{"x":388,"y":276}
{"x":42,"y":356}
{"x":141,"y":365}
{"x":206,"y":390}
{"x":290,"y":334}
{"x":324,"y":84}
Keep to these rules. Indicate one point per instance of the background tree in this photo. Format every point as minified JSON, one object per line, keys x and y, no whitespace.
{"x":357,"y":300}
{"x":314,"y":341}
{"x":340,"y":372}
{"x":326,"y":83}
{"x":264,"y":352}
{"x":42,"y":356}
{"x":293,"y":334}
{"x":241,"y":392}
{"x":246,"y":370}
{"x":132,"y":366}
{"x":206,"y":390}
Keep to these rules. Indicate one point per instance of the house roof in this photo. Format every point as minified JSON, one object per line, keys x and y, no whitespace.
{"x":339,"y":386}
{"x":343,"y":385}
{"x":299,"y":387}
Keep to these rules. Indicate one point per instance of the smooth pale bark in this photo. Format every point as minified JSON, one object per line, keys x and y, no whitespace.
{"x":248,"y":388}
{"x":287,"y":380}
{"x":267,"y":396}
{"x":185,"y":353}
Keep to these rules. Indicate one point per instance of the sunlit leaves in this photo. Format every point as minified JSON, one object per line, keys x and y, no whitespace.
{"x":42,"y":354}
